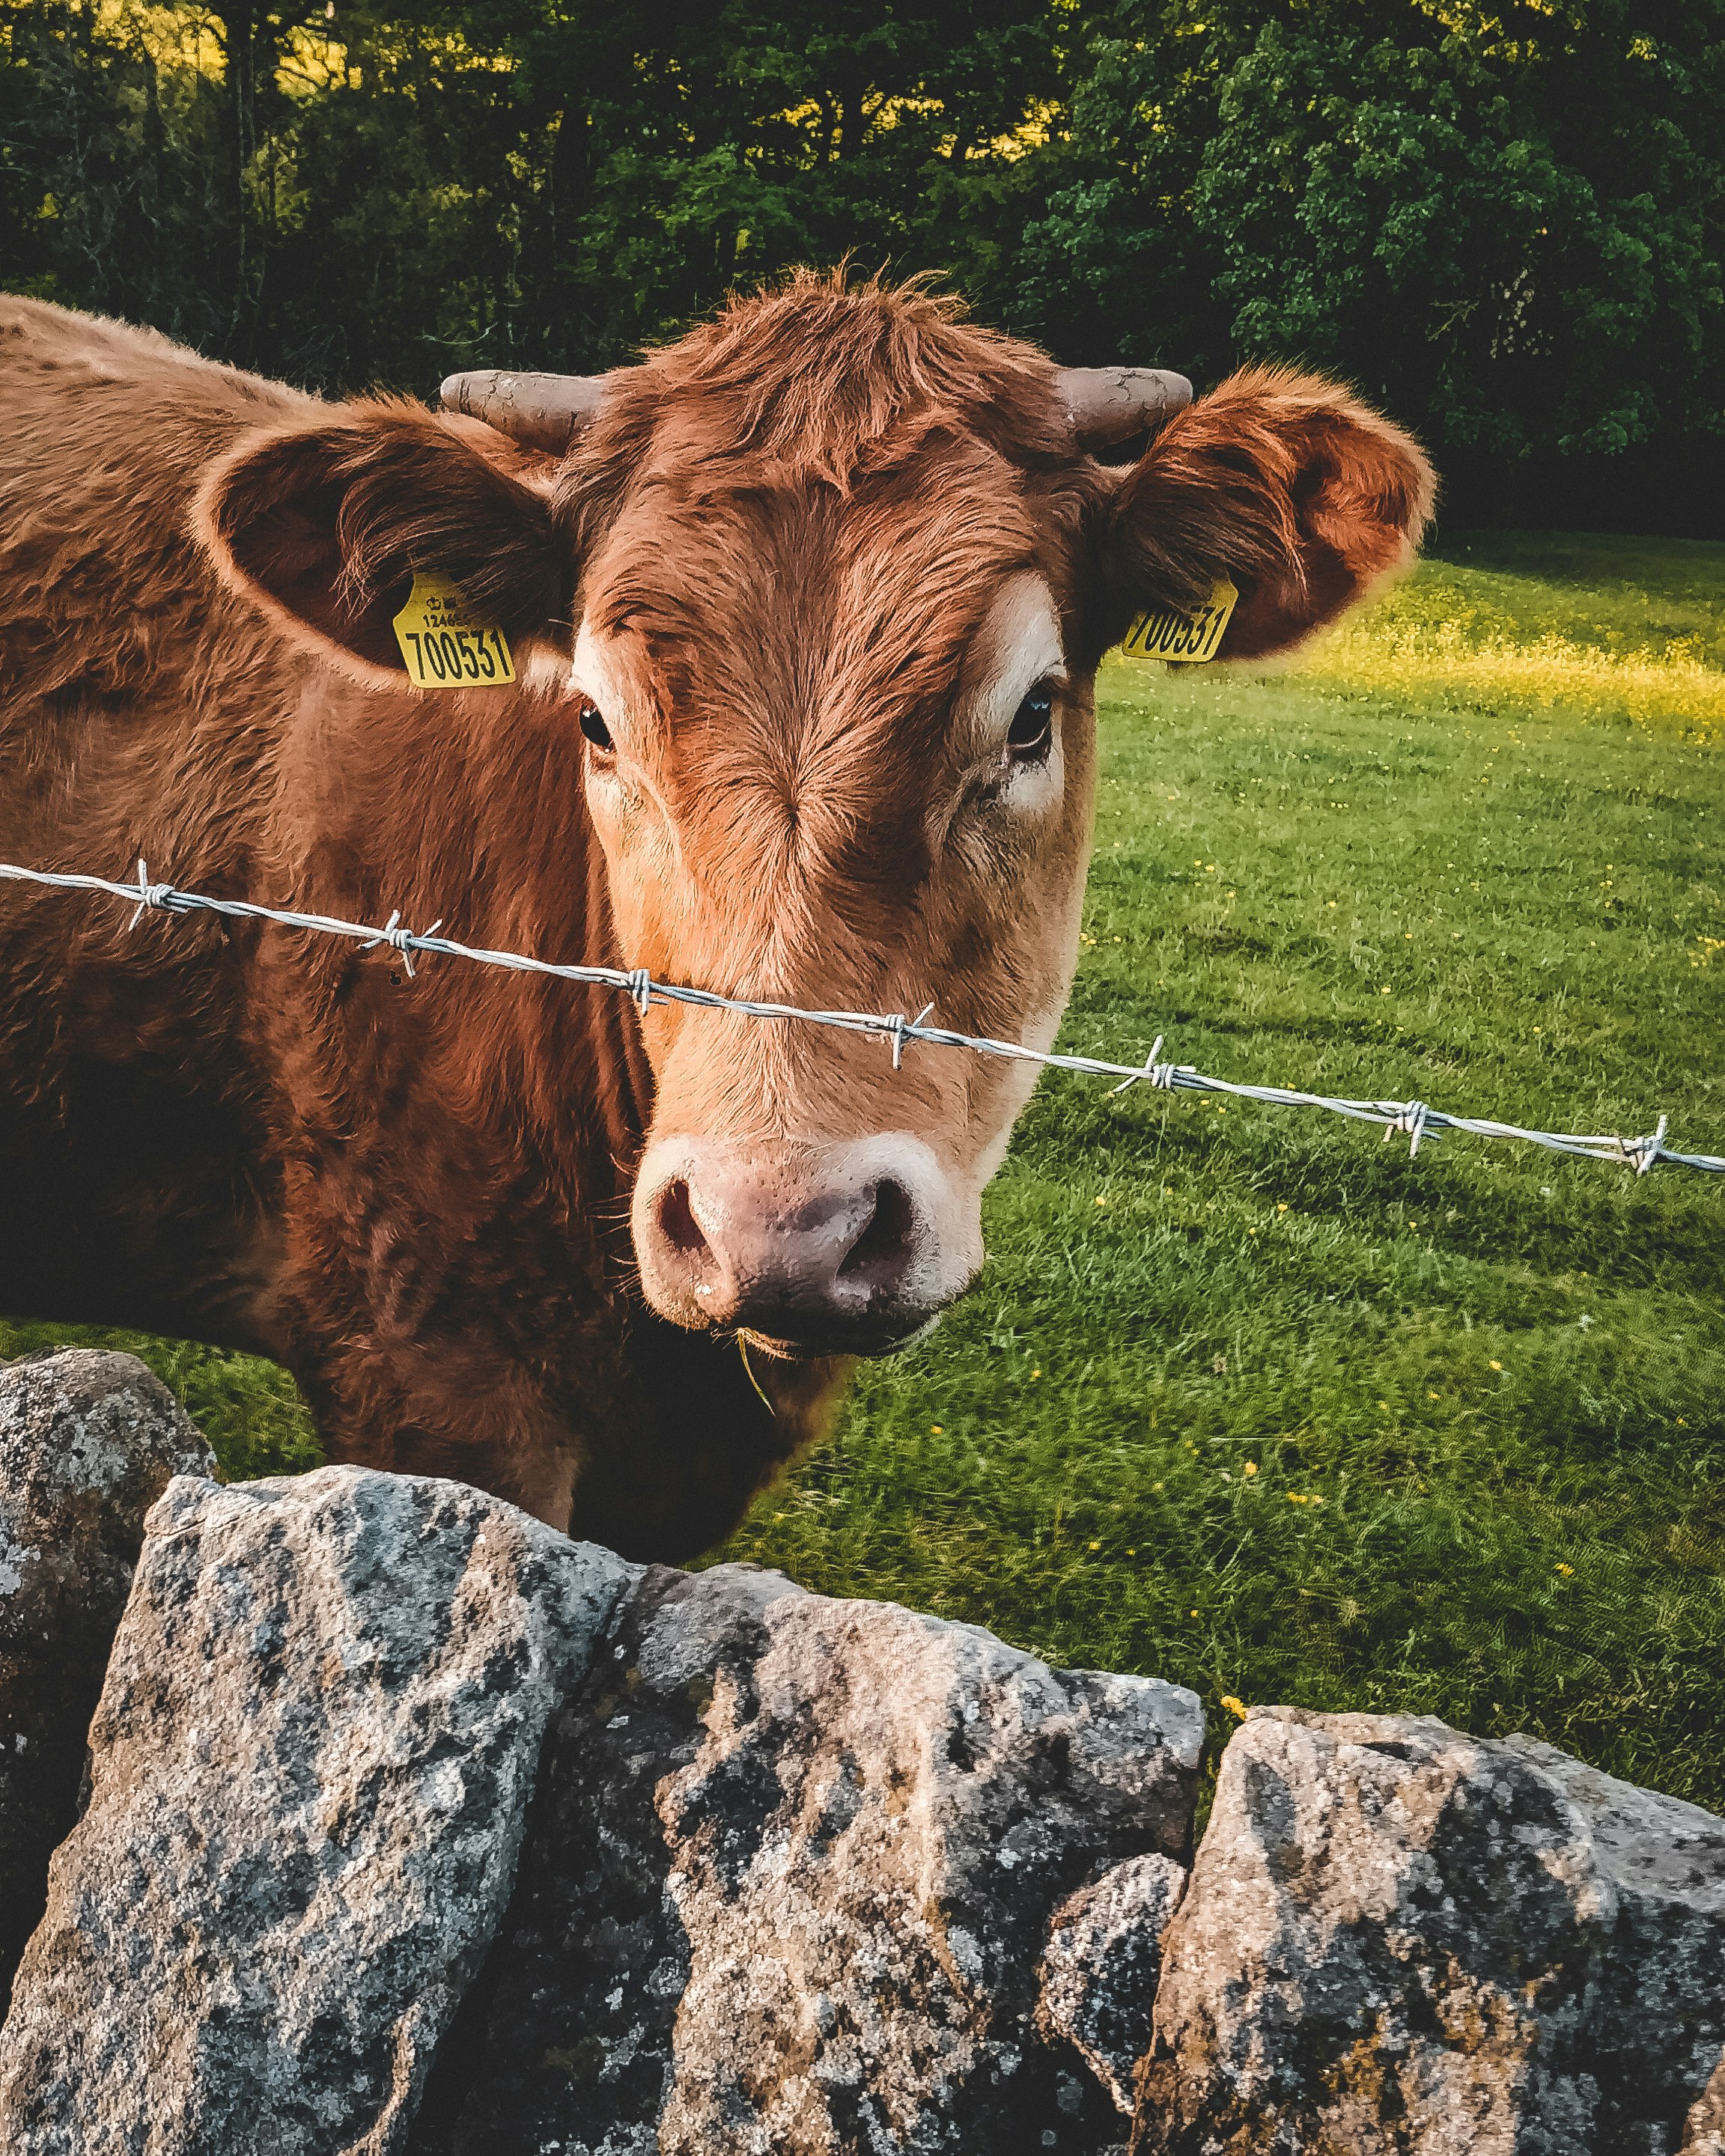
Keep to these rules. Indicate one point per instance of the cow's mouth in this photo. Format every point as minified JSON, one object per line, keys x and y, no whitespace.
{"x":821,"y":1342}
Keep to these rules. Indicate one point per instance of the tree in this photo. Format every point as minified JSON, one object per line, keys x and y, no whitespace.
{"x":1517,"y":236}
{"x":1506,"y":226}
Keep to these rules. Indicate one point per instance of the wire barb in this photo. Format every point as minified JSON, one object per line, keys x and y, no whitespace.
{"x":1645,"y":1153}
{"x":151,"y":897}
{"x":1414,"y":1117}
{"x":1158,"y":1074}
{"x":402,"y":941}
{"x":899,"y":1029}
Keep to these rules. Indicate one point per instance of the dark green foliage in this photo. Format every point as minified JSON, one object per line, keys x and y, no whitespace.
{"x":1506,"y":227}
{"x":363,"y":195}
{"x":1482,"y":229}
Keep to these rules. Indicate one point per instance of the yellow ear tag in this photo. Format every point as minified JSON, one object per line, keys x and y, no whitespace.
{"x":445,"y":644}
{"x":1166,"y":635}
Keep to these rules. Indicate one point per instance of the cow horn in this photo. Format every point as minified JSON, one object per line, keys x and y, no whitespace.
{"x":1108,"y":404}
{"x":1102,"y":404}
{"x":540,"y":411}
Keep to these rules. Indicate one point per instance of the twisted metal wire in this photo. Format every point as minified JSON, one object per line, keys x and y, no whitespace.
{"x":1415,"y":1119}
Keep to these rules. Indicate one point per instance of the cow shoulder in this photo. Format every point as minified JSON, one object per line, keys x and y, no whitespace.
{"x":105,"y":597}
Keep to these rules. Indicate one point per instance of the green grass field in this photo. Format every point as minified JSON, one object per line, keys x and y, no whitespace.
{"x":1247,"y":1398}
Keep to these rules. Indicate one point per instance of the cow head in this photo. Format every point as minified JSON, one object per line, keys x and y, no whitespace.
{"x":821,"y":589}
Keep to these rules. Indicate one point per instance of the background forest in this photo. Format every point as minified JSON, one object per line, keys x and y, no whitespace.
{"x":1506,"y":224}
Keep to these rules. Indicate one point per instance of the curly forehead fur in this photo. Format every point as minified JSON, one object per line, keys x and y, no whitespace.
{"x":858,"y":468}
{"x":830,"y":381}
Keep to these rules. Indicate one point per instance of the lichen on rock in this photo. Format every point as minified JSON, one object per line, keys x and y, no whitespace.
{"x":1102,"y":1965}
{"x":788,"y":1885}
{"x":1399,"y":1938}
{"x":89,"y":1441}
{"x":309,"y":1768}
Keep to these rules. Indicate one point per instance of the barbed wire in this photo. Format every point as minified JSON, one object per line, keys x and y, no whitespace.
{"x":1415,"y":1119}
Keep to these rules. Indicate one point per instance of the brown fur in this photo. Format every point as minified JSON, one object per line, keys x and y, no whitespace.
{"x":414,"y":1193}
{"x":1283,"y":482}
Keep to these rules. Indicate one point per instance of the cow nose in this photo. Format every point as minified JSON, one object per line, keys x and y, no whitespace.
{"x":753,"y":1254}
{"x":818,"y":1255}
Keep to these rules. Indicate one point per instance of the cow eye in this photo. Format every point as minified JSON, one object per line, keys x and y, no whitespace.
{"x":1032,"y":729}
{"x":593,"y":726}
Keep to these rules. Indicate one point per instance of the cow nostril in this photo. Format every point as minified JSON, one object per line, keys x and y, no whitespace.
{"x":677,"y":1222}
{"x":885,"y":1242}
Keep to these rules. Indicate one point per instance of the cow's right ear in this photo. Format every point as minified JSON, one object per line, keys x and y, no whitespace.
{"x":323,"y":524}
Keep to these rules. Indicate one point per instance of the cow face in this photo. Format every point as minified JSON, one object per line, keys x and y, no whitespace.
{"x":822,"y":590}
{"x":839,"y":756}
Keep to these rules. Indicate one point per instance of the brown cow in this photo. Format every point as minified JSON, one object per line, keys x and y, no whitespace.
{"x":825,"y":586}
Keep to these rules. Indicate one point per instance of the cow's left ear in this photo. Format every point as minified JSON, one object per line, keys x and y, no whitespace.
{"x":1288,"y":485}
{"x":323,"y":523}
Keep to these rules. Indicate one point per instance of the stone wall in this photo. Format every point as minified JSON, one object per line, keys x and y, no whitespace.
{"x":407,"y":1824}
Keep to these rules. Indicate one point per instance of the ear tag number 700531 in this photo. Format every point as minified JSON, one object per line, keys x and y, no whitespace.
{"x":1187,"y":638}
{"x":444,"y":643}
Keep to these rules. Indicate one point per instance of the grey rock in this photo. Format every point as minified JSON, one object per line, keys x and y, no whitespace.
{"x":1099,"y":1970}
{"x":309,"y":1770}
{"x":1401,"y":1939}
{"x":88,"y":1443}
{"x":787,"y":1884}
{"x":1657,"y":2033}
